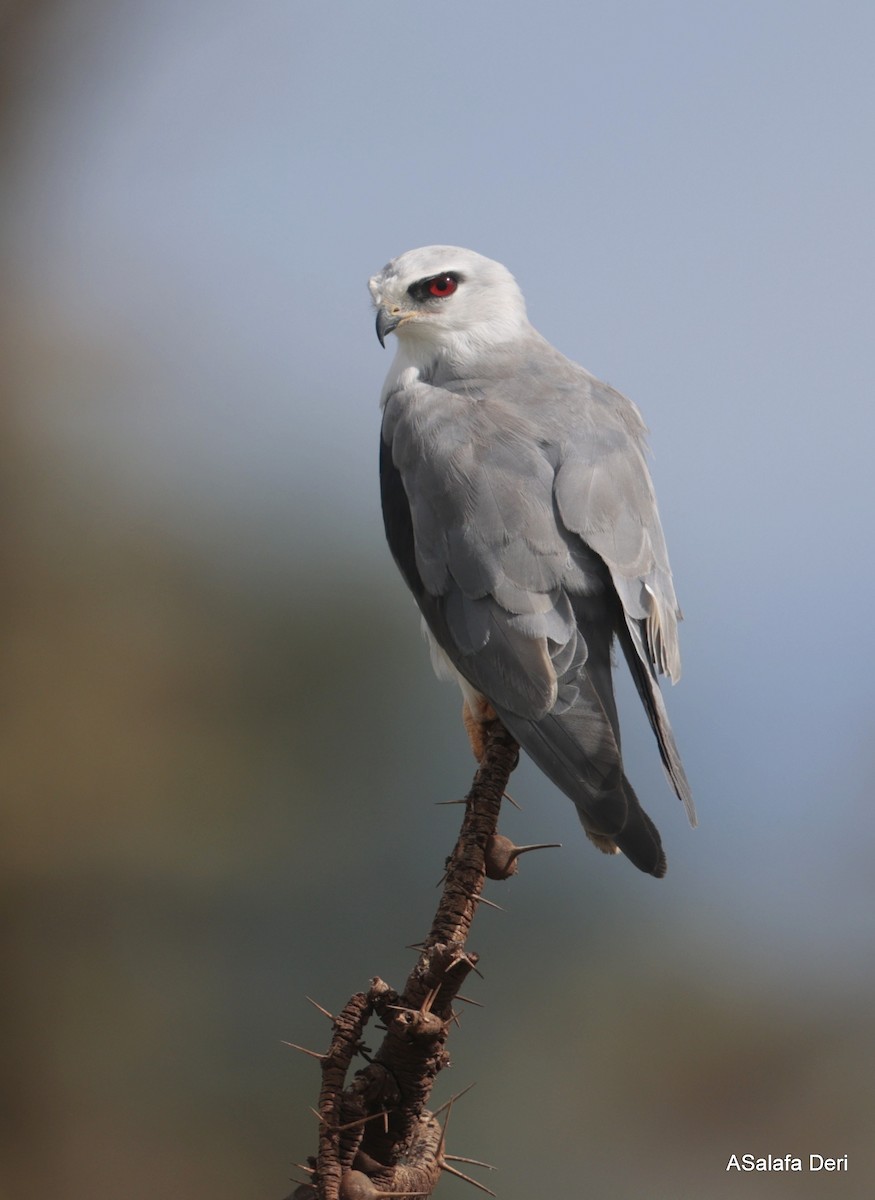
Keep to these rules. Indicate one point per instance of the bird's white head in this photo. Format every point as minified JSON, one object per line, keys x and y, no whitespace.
{"x":446,"y":300}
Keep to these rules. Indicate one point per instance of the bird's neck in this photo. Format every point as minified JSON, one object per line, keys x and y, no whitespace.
{"x":457,"y":350}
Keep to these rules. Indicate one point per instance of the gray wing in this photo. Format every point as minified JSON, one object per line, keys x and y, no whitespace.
{"x":524,"y":605}
{"x":605,"y":495}
{"x":486,"y":548}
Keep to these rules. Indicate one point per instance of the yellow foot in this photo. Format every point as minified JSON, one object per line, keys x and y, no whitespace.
{"x":476,"y":720}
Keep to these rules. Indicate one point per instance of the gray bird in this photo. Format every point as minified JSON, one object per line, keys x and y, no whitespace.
{"x":520,"y":511}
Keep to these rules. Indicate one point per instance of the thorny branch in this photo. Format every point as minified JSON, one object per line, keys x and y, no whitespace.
{"x":377,"y":1138}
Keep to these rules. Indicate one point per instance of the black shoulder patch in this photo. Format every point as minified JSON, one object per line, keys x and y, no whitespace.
{"x":397,"y":520}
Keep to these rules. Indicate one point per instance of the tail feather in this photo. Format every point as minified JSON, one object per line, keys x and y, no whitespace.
{"x":578,"y":750}
{"x":639,"y":838}
{"x":647,"y":686}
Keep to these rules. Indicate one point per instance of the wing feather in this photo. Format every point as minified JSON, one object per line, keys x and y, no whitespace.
{"x":605,"y":495}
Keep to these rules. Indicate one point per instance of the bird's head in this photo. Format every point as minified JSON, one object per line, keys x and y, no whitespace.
{"x":444,"y":298}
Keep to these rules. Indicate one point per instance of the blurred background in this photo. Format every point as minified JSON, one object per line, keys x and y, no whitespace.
{"x":222,"y":743}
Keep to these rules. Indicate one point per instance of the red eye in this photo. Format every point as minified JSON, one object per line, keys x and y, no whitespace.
{"x":442,"y":285}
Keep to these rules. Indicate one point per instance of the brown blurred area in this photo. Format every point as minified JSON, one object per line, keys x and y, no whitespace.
{"x":207,"y":813}
{"x":162,"y":737}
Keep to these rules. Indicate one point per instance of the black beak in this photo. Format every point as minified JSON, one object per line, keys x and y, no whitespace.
{"x":386,"y":322}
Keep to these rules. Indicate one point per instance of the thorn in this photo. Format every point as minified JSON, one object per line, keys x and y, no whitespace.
{"x":468,"y":960}
{"x":424,"y":1008}
{"x":488,"y":903}
{"x":312,"y":1170}
{"x":518,"y":850}
{"x":508,"y":796}
{"x":468,"y":1000}
{"x":475,"y":1162}
{"x":452,"y":801}
{"x":467,"y":1178}
{"x":500,"y":855}
{"x":350,"y":1124}
{"x":443,"y":1139}
{"x":415,"y":946}
{"x":362,"y":1121}
{"x":454,"y":1017}
{"x":304,"y":1050}
{"x":452,"y":1100}
{"x":324,"y":1011}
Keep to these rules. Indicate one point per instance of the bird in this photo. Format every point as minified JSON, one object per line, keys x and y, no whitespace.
{"x":519,"y":508}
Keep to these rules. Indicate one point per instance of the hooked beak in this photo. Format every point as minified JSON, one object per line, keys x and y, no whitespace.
{"x":386,"y":322}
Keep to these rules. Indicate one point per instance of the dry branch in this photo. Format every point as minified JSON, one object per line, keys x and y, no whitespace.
{"x":377,"y":1137}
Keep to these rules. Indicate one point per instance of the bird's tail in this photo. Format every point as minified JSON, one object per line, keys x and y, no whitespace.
{"x":578,"y":750}
{"x":639,"y":838}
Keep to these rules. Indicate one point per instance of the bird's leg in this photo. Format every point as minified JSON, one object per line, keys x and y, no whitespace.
{"x":477,"y":713}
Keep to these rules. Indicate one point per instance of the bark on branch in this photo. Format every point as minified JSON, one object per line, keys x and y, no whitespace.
{"x":377,"y":1136}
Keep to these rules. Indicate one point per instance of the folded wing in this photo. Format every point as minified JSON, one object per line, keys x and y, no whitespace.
{"x":529,"y":535}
